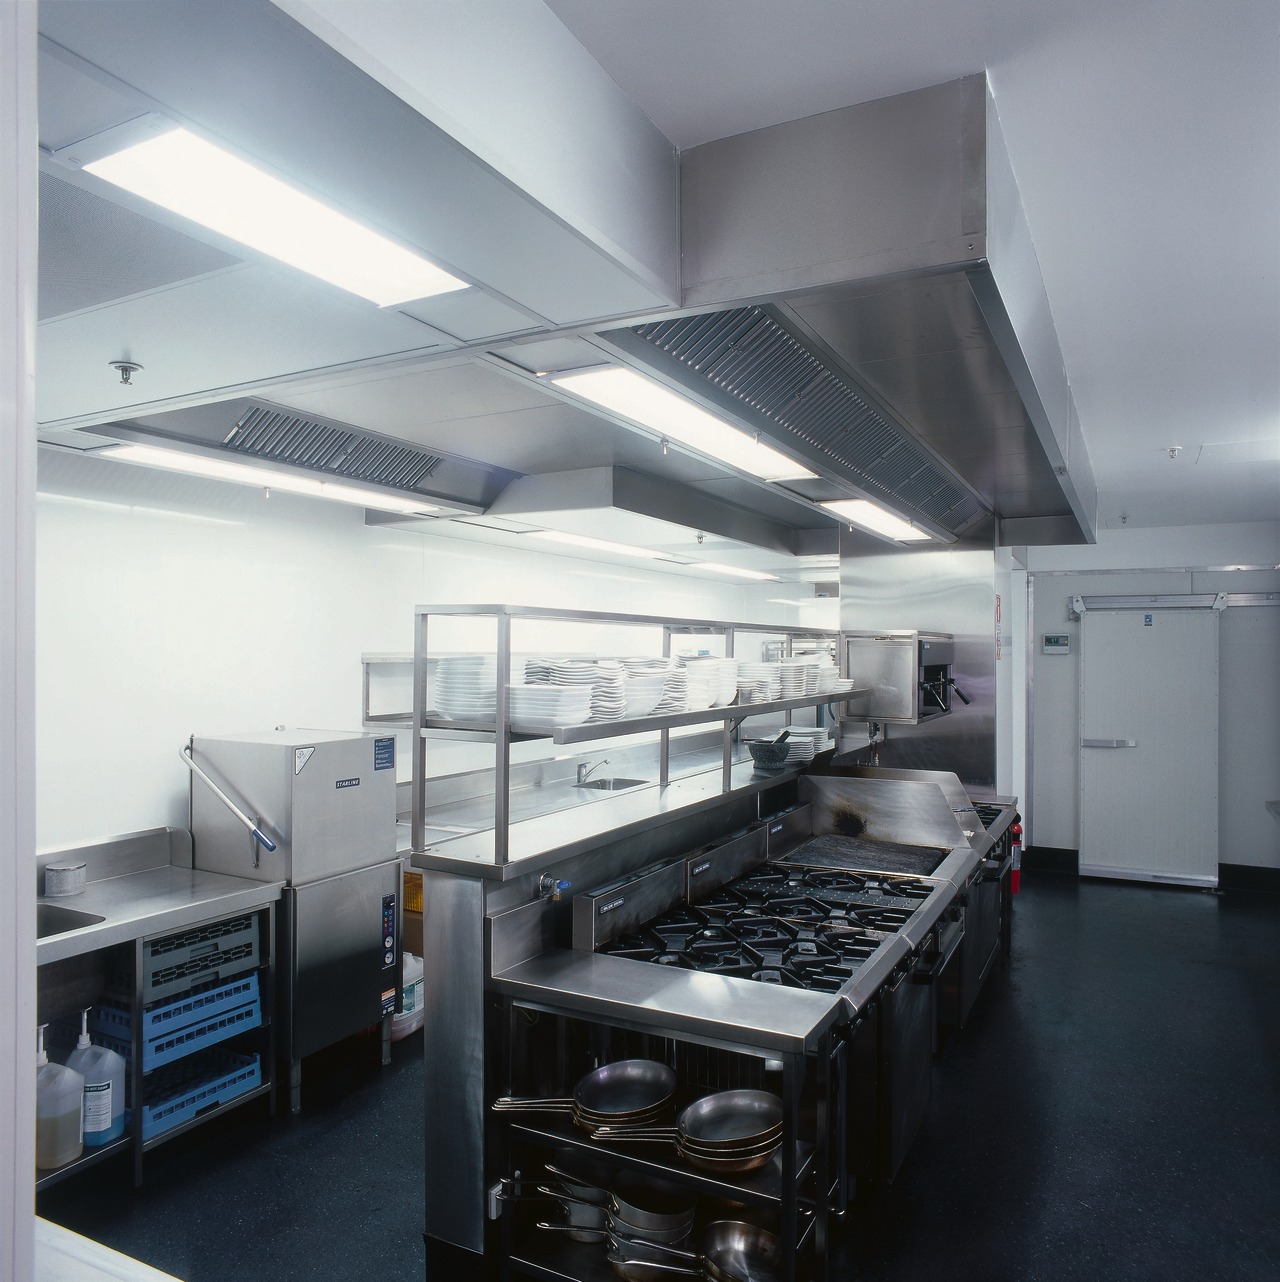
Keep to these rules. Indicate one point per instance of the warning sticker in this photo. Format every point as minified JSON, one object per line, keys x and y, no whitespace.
{"x":300,"y":758}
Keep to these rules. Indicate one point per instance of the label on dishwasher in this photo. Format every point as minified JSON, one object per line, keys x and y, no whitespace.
{"x":384,"y":753}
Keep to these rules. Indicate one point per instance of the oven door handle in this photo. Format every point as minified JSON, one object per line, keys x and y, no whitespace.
{"x":927,"y":972}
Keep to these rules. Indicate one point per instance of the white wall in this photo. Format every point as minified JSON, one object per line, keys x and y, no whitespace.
{"x":18,"y":224}
{"x":1152,"y":562}
{"x":167,"y":606}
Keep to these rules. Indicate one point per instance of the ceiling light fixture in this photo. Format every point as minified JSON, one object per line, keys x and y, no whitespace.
{"x":650,"y":404}
{"x":735,"y":571}
{"x":598,"y":545}
{"x":264,"y":478}
{"x":877,"y":520}
{"x":189,"y":176}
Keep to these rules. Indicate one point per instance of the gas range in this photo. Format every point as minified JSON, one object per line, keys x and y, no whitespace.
{"x":790,"y":925}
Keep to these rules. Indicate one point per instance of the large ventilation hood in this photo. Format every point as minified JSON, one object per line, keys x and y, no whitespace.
{"x":283,"y":438}
{"x":861,"y":288}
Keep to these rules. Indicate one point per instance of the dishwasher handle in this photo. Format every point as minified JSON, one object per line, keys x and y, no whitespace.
{"x":258,"y":835}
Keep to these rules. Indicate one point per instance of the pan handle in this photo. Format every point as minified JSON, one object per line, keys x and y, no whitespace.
{"x":622,"y":1261}
{"x":511,"y":1104}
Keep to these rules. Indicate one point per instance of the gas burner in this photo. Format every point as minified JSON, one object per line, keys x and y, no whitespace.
{"x":900,"y":887}
{"x":761,"y":931}
{"x":824,"y":881}
{"x":672,"y":959}
{"x":721,"y":901}
{"x":797,"y":909}
{"x":853,"y":947}
{"x":775,"y":975}
{"x":885,"y":918}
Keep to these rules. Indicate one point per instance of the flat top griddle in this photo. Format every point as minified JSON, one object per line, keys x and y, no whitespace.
{"x":834,"y":851}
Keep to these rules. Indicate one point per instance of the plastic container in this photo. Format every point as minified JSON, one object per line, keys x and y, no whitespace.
{"x":59,"y":1111}
{"x":410,"y":1018}
{"x":103,"y":1073}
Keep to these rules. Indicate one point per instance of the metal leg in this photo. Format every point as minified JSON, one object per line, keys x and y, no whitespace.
{"x":295,"y":1086}
{"x":386,"y":1040}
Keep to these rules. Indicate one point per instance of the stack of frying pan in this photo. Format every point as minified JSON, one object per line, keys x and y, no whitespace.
{"x":630,"y":1093}
{"x":727,"y":1132}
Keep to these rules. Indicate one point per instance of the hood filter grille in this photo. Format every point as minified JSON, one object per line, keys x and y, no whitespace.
{"x":284,"y":437}
{"x":747,"y":355}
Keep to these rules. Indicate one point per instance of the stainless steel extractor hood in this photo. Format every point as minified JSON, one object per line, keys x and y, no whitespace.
{"x":862,"y":289}
{"x":279,"y":437}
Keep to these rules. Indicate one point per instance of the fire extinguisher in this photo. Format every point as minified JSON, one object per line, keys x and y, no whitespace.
{"x":1015,"y":842}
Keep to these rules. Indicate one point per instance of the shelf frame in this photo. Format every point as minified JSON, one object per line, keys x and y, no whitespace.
{"x":728,"y":716}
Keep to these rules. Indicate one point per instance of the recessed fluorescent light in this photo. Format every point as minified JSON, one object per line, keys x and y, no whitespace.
{"x":189,"y":176}
{"x":656,"y":407}
{"x":813,"y":600}
{"x":735,"y":570}
{"x":871,"y":517}
{"x":264,"y":478}
{"x":598,"y":545}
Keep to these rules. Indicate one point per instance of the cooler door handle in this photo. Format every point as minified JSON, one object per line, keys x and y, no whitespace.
{"x":1108,"y":743}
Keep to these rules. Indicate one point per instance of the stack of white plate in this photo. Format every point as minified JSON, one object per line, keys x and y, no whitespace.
{"x":753,"y":690}
{"x":794,"y":680}
{"x":828,"y":678}
{"x":608,"y":691}
{"x":537,"y":671}
{"x":703,"y":684}
{"x":804,"y":741}
{"x":675,"y":689}
{"x":643,"y":693}
{"x":728,"y":685}
{"x":541,"y":708}
{"x":769,"y":674}
{"x":465,"y":687}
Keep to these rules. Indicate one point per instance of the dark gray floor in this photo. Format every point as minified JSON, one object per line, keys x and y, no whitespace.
{"x":1112,"y":1111}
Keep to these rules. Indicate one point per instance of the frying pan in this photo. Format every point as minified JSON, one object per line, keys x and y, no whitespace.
{"x":638,"y":1206}
{"x":732,"y":1251}
{"x":594,"y":1215}
{"x":721,"y":1123}
{"x":628,"y":1090}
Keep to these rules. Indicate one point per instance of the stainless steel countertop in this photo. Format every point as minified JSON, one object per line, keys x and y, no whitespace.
{"x":151,"y":902}
{"x":560,"y":834}
{"x":720,"y":1008}
{"x":64,"y":1256}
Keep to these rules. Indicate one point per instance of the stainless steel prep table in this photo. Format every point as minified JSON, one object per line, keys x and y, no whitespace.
{"x":136,"y":895}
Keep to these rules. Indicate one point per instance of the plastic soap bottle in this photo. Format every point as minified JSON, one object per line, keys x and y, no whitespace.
{"x":103,"y":1073}
{"x":59,"y":1105}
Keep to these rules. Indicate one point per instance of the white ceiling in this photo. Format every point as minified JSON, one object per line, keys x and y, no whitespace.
{"x":1145,"y":137}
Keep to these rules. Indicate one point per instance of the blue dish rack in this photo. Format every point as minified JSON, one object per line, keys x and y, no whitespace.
{"x":173,"y":1030}
{"x":180,"y":1092}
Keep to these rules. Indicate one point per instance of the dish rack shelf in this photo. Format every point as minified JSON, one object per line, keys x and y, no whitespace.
{"x":190,"y":1011}
{"x":499,"y":621}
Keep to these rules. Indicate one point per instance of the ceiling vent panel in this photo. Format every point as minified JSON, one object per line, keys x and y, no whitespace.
{"x":93,"y":251}
{"x":746,"y":358}
{"x":283,"y":437}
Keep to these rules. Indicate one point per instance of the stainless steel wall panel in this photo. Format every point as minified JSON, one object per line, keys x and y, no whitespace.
{"x":454,"y":967}
{"x":950,"y":590}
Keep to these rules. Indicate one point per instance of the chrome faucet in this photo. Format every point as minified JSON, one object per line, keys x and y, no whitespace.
{"x":585,"y":771}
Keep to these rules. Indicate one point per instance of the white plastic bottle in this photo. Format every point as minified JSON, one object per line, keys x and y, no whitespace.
{"x":410,"y":1018}
{"x":103,"y":1073}
{"x":59,"y":1106}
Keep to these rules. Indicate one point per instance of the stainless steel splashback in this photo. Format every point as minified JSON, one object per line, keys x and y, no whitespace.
{"x":911,"y":813}
{"x":950,"y":591}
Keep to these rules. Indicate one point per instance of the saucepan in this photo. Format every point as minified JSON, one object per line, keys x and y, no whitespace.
{"x":638,"y":1207}
{"x":732,"y":1251}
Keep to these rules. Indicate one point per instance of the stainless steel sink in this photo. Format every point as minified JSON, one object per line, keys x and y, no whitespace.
{"x":610,"y":785}
{"x":53,"y":919}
